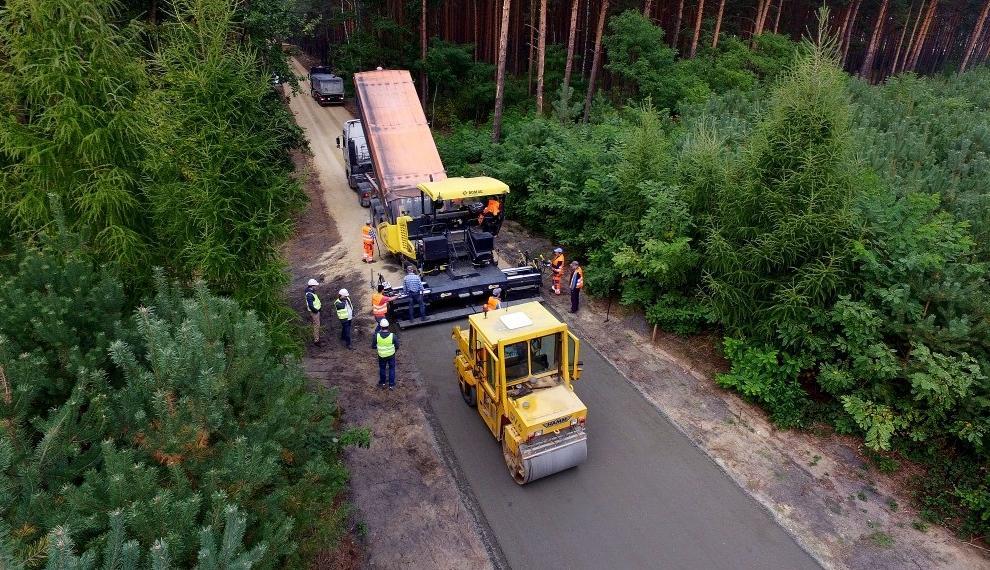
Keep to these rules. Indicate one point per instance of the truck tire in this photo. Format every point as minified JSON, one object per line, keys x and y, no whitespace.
{"x":469,"y":393}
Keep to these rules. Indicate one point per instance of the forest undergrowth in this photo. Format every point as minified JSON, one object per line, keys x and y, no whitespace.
{"x":835,"y":232}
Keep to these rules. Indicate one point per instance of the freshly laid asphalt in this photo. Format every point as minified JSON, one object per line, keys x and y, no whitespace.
{"x":646,"y":497}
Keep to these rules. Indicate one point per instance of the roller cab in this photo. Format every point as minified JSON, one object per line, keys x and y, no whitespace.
{"x":517,"y":367}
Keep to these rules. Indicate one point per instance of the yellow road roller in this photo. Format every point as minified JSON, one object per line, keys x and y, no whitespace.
{"x":517,"y":366}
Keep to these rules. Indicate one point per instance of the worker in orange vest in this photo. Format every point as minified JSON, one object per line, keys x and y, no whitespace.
{"x":379,"y":306}
{"x":369,"y":243}
{"x":495,"y":301}
{"x":577,"y":283}
{"x":557,"y":266}
{"x":490,"y":212}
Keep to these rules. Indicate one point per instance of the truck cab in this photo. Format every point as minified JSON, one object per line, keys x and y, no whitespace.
{"x":517,"y":367}
{"x":325,"y":87}
{"x":357,"y":159}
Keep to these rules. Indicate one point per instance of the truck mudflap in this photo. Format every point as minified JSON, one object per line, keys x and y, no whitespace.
{"x":450,"y":299}
{"x":552,"y":454}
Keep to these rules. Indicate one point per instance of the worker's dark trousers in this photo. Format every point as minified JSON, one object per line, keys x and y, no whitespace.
{"x":345,"y":332}
{"x":384,"y":363}
{"x":575,"y":293}
{"x":417,"y":299}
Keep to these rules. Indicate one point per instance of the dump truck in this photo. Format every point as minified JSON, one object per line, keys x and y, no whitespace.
{"x":357,"y":160}
{"x":517,"y":367}
{"x":445,"y":227}
{"x":325,"y":87}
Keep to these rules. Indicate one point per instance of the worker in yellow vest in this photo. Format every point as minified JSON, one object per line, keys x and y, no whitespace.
{"x":368,"y":239}
{"x":345,"y":314}
{"x":379,"y":305}
{"x":385,"y":344}
{"x":313,"y":305}
{"x":557,"y":266}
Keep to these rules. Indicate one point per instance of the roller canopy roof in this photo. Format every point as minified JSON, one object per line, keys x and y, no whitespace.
{"x":458,"y":188}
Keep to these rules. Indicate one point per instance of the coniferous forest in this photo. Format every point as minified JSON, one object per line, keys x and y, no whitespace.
{"x":812,"y":185}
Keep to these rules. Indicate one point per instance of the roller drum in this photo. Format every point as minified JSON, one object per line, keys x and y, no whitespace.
{"x":553,"y":455}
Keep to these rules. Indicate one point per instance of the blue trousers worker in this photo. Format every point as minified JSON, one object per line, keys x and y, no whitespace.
{"x":385,"y":344}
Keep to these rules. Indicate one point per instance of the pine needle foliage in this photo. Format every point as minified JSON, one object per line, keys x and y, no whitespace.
{"x":780,"y":243}
{"x":173,"y":434}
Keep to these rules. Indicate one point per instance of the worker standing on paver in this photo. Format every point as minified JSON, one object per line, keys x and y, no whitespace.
{"x":379,"y":305}
{"x":345,"y":314}
{"x":313,"y":306}
{"x":495,"y":301}
{"x":557,"y":266}
{"x":368,"y":239}
{"x":414,"y":288}
{"x":577,"y":283}
{"x":385,"y":343}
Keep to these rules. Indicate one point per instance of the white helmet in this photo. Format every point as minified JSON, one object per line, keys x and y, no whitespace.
{"x":383,"y":323}
{"x":342,"y":292}
{"x":558,"y":250}
{"x":312,"y":283}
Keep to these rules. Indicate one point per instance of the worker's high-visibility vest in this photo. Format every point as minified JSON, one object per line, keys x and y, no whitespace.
{"x":386,"y":345}
{"x":577,"y":280}
{"x":558,"y":263}
{"x":342,"y":312}
{"x":366,"y":234}
{"x":493,"y":303}
{"x":379,"y":306}
{"x":316,"y":300}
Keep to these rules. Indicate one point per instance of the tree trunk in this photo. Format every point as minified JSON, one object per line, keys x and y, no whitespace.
{"x":845,"y":25}
{"x":648,"y":8}
{"x":697,"y":28}
{"x":422,"y":51}
{"x":718,"y":23}
{"x":923,"y":35}
{"x":568,"y":64}
{"x":677,"y":24}
{"x":474,"y":9}
{"x":911,"y":39}
{"x":776,"y":22}
{"x":597,"y":59}
{"x":540,"y":57}
{"x":866,"y":69}
{"x":975,"y":36}
{"x":849,"y":31}
{"x":532,"y":47}
{"x":900,"y":43}
{"x":503,"y":42}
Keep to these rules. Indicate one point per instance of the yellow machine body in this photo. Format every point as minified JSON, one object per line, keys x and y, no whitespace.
{"x":517,"y":365}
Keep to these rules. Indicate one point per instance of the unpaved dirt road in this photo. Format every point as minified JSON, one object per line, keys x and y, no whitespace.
{"x":408,"y":510}
{"x":646,"y":497}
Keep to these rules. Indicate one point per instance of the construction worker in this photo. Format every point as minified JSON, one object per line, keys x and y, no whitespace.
{"x":379,"y":305}
{"x":577,"y":283}
{"x":368,"y":239}
{"x":557,"y":266}
{"x":495,"y":301}
{"x":313,"y":306}
{"x":414,"y":288}
{"x":385,"y":343}
{"x":345,"y":313}
{"x":487,"y":217}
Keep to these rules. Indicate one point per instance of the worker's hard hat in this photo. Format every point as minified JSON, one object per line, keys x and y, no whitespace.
{"x":383,"y":323}
{"x":558,"y":250}
{"x":312,"y":283}
{"x":343,"y":292}
{"x":497,"y":291}
{"x":379,"y":68}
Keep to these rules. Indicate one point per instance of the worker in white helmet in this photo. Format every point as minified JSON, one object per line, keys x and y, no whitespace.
{"x":313,"y":305}
{"x":385,"y":343}
{"x":345,"y":314}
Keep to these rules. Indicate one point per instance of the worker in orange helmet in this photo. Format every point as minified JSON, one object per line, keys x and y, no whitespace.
{"x":557,"y":266}
{"x":367,"y":236}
